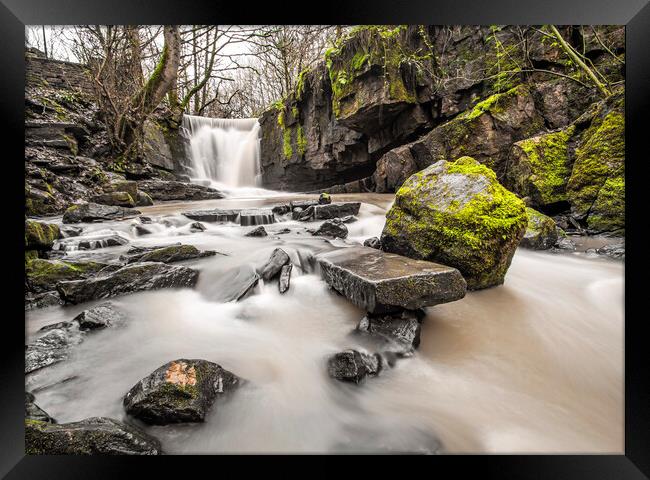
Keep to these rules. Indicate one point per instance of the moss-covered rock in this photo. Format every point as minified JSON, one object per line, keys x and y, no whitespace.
{"x":457,"y":214}
{"x":596,"y":188}
{"x":541,"y":233}
{"x":40,"y":235}
{"x":540,"y":167}
{"x":42,"y":275}
{"x":179,"y":391}
{"x":120,"y":199}
{"x":92,"y":436}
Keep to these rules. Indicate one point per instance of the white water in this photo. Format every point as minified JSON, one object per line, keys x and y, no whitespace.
{"x":224,"y":151}
{"x":535,"y":365}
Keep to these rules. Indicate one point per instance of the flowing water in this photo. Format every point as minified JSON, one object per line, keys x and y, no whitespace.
{"x":535,"y":365}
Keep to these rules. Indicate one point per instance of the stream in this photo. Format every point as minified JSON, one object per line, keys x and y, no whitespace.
{"x":535,"y":365}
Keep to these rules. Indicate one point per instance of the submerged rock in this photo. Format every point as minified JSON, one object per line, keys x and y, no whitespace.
{"x":131,"y":278}
{"x":34,"y":412}
{"x":94,"y":212}
{"x":285,"y":278}
{"x":353,"y":366}
{"x":42,"y":300}
{"x":257,"y":232}
{"x":240,"y":285}
{"x":51,"y":348}
{"x":179,"y":391}
{"x":402,"y":330}
{"x":332,"y":228}
{"x":167,"y":254}
{"x":174,"y":190}
{"x":278,"y":259}
{"x":565,"y":243}
{"x":458,"y":214}
{"x":616,"y":251}
{"x":541,"y":233}
{"x":382,"y":282}
{"x":372,"y":242}
{"x":101,"y":316}
{"x":92,"y":436}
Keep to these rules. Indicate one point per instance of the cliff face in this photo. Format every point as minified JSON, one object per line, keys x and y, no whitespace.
{"x":389,"y":101}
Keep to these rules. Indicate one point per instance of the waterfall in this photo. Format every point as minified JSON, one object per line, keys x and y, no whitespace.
{"x":224,"y":150}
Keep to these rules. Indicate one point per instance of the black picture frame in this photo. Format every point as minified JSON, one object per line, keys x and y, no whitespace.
{"x":635,"y":14}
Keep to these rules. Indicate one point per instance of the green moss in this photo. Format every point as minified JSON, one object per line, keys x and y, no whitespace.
{"x":39,"y":235}
{"x":287,"y":149}
{"x":44,"y":274}
{"x":494,"y":104}
{"x":301,"y":141}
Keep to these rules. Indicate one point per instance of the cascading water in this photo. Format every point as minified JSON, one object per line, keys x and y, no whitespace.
{"x":224,"y":150}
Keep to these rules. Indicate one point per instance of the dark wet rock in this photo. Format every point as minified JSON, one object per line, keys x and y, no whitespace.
{"x":353,"y":366}
{"x":101,"y":316}
{"x":372,"y":242}
{"x":102,"y":242}
{"x":382,"y":282}
{"x":541,"y":232}
{"x":324,"y":199}
{"x":281,"y":209}
{"x":40,"y":235}
{"x":282,"y":231}
{"x":458,"y":214}
{"x":34,"y":412}
{"x":145,"y":220}
{"x":214,"y":215}
{"x":197,"y":227}
{"x":257,"y":232}
{"x":401,"y":330}
{"x":50,"y":348}
{"x":179,"y":391}
{"x":285,"y":278}
{"x":173,"y":190}
{"x":140,"y":230}
{"x":167,"y":254}
{"x":306,"y":215}
{"x":92,"y":436}
{"x":332,"y":228}
{"x":296,"y":213}
{"x":349,"y":219}
{"x":616,"y":250}
{"x":94,"y":212}
{"x":67,"y":232}
{"x":336,"y":210}
{"x":302,"y":204}
{"x":42,"y":275}
{"x":131,"y":278}
{"x":273,"y":266}
{"x":120,"y":199}
{"x":42,"y":300}
{"x":256,"y":216}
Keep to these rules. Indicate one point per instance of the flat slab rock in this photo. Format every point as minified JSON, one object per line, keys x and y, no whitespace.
{"x":179,"y":391}
{"x":92,"y":436}
{"x":245,"y":217}
{"x":381,"y":282}
{"x":94,"y":212}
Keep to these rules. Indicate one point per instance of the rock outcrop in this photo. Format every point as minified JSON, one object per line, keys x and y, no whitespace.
{"x":353,"y":366}
{"x":179,"y":391}
{"x":458,"y":214}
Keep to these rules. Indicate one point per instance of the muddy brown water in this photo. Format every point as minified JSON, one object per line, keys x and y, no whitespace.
{"x":535,"y":365}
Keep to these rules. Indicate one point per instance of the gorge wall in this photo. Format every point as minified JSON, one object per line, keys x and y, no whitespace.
{"x":386,"y":102}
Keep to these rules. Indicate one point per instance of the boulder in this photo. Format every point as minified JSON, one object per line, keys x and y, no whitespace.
{"x":40,"y":235}
{"x":238,"y":286}
{"x":565,"y":243}
{"x":329,"y":211}
{"x":101,"y":316}
{"x":372,"y":242}
{"x":167,"y":254}
{"x":128,"y":279}
{"x":257,"y":232}
{"x":458,"y":214}
{"x":42,"y":275}
{"x":174,"y":190}
{"x":52,"y":347}
{"x":143,"y":199}
{"x":273,"y":266}
{"x":67,"y":232}
{"x":197,"y":227}
{"x":179,"y":391}
{"x":94,"y":212}
{"x":400,"y":330}
{"x":120,"y":199}
{"x":281,"y":209}
{"x":285,"y":278}
{"x":34,"y":412}
{"x":382,"y":282}
{"x":541,"y":233}
{"x":42,"y":300}
{"x":92,"y":436}
{"x":353,"y":366}
{"x":145,"y":220}
{"x":296,"y":213}
{"x":332,"y":228}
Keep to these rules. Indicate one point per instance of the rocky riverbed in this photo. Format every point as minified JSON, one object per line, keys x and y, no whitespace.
{"x":253,"y":339}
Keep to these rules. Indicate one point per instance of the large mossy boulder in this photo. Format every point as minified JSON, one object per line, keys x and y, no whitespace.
{"x":541,"y":233}
{"x":92,"y":436}
{"x":40,"y":235}
{"x":457,"y":214}
{"x":42,"y":275}
{"x":596,"y":188}
{"x":179,"y":391}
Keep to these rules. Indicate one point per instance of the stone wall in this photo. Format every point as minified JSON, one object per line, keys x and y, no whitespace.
{"x":56,"y":74}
